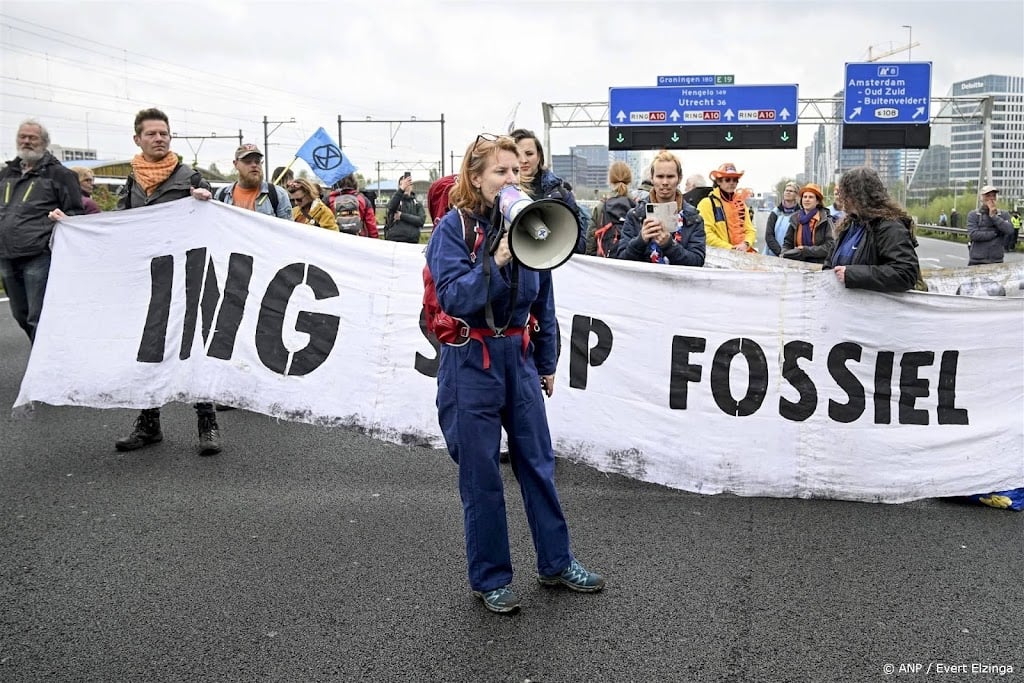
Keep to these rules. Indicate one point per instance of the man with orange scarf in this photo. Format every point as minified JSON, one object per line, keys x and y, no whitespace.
{"x":157,"y":177}
{"x":727,"y":220}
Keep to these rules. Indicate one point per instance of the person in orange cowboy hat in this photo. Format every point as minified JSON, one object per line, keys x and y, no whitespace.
{"x":728,"y":223}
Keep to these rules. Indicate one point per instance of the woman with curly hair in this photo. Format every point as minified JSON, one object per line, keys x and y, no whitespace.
{"x":874,"y":247}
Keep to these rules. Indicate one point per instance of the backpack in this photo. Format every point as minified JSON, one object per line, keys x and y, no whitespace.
{"x":347,"y":212}
{"x":270,"y":194}
{"x":445,"y":328}
{"x":612,"y":217}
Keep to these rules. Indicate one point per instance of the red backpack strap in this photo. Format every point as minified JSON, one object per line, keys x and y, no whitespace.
{"x":473,"y":235}
{"x":599,"y":235}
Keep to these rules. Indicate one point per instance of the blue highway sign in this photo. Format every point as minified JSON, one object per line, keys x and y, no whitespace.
{"x":887,"y":93}
{"x":703,"y":105}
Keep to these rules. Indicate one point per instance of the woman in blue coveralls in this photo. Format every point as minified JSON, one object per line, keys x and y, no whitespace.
{"x":495,"y":380}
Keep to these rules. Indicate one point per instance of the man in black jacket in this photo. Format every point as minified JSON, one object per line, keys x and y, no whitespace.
{"x":988,"y":229}
{"x":157,"y":177}
{"x":31,"y":186}
{"x":405,"y":214}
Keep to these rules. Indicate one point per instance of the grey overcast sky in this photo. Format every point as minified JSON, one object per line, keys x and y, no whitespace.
{"x":85,"y":67}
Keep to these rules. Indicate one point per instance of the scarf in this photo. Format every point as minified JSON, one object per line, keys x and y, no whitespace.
{"x":149,"y":174}
{"x":735,"y":211}
{"x":808,"y":221}
{"x":848,"y":244}
{"x":656,"y":255}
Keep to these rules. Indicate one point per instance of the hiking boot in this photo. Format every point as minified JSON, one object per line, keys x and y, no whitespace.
{"x":575,"y":577}
{"x":501,"y":600}
{"x":145,"y":432}
{"x":209,"y":435}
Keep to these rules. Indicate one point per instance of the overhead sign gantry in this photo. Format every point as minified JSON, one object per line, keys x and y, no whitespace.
{"x":703,"y":116}
{"x":886,"y":106}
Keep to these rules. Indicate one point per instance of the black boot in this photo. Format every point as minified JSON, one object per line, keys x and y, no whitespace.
{"x":146,"y":432}
{"x":209,"y":435}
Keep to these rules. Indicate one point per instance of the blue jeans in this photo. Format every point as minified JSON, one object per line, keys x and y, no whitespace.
{"x":25,"y":281}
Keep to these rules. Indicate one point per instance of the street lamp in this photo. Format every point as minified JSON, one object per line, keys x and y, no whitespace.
{"x":906,"y":179}
{"x":266,"y":148}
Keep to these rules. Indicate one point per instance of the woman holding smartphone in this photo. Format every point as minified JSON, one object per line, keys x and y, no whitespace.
{"x":497,"y":379}
{"x":645,"y":237}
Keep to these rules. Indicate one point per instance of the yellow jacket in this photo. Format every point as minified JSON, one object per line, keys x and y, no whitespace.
{"x":319,"y":215}
{"x":713,"y":210}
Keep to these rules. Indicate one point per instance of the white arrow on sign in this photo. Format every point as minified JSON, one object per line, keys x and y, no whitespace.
{"x":620,"y":116}
{"x":674,"y":115}
{"x":784,"y":114}
{"x":728,"y":114}
{"x":855,"y":113}
{"x":920,"y":110}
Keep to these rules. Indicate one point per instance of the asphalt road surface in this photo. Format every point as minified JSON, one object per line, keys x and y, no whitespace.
{"x":305,"y":554}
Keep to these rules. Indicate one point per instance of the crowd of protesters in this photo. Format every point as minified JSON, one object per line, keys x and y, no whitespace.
{"x":864,"y":238}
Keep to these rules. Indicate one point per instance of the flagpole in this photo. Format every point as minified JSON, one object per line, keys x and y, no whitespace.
{"x":283,"y":171}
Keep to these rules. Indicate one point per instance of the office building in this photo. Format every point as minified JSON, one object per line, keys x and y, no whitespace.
{"x":65,"y":154}
{"x":958,"y":144}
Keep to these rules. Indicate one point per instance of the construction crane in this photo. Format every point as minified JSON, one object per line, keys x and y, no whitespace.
{"x":888,"y":53}
{"x":874,"y":58}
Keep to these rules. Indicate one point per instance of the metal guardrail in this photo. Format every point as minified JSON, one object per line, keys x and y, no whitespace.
{"x":942,"y":228}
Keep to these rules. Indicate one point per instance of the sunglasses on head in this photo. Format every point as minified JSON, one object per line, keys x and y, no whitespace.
{"x":488,"y":137}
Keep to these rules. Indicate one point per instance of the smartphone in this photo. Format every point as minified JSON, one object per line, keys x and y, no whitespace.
{"x":408,"y":174}
{"x":650,"y":210}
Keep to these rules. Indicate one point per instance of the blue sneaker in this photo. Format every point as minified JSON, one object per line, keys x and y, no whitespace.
{"x":501,"y":600}
{"x":575,"y":577}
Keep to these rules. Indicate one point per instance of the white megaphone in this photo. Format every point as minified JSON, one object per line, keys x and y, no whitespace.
{"x":542,"y":234}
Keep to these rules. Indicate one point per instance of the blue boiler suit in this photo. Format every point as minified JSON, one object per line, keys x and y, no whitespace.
{"x":474,"y":404}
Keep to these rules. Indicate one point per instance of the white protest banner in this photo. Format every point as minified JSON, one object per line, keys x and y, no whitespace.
{"x":756,"y":383}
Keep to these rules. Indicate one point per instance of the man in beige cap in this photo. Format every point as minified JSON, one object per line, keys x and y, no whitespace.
{"x":252,"y":191}
{"x":988,"y":229}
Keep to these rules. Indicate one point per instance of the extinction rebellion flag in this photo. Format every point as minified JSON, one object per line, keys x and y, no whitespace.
{"x":326,"y":159}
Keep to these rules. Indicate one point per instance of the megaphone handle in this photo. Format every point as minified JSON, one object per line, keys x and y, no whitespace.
{"x":497,"y":227}
{"x":513,"y":293}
